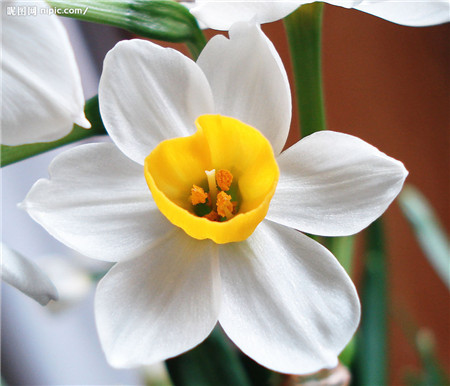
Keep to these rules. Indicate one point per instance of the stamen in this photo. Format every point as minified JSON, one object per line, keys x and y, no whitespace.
{"x":211,"y":175}
{"x":198,"y":195}
{"x":215,"y":205}
{"x":224,"y":205}
{"x":224,"y":179}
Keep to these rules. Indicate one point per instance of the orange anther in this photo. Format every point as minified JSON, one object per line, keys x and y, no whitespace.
{"x":224,"y":205}
{"x":198,"y":195}
{"x":224,"y":179}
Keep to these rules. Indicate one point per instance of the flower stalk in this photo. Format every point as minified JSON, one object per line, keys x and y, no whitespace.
{"x":371,"y":364}
{"x":304,"y":31}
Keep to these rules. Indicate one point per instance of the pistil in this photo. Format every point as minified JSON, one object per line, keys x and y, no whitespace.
{"x":211,"y":176}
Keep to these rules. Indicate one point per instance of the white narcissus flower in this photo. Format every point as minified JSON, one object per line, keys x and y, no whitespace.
{"x":26,"y":276}
{"x":281,"y":297}
{"x":41,"y":87}
{"x":221,"y":14}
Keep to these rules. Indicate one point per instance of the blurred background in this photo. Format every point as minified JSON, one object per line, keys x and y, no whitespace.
{"x":385,"y":83}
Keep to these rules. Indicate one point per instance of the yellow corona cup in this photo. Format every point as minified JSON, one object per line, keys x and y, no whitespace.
{"x":216,"y":184}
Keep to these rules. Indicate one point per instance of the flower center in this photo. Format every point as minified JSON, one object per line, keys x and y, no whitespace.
{"x":216,"y":184}
{"x":220,"y":201}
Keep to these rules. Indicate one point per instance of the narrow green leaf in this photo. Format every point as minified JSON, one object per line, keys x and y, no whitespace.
{"x":11,"y":154}
{"x":371,"y":356}
{"x":212,"y":363}
{"x":304,"y":31}
{"x":343,"y":249}
{"x":428,"y":230}
{"x":164,"y":20}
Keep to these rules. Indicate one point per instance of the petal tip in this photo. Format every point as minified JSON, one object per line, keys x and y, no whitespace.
{"x":83,"y":122}
{"x":52,"y":295}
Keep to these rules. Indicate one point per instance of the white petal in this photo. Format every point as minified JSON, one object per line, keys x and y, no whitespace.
{"x":287,"y":303}
{"x":26,"y":276}
{"x":42,"y":94}
{"x":98,"y":203}
{"x":189,"y":5}
{"x":148,"y":94}
{"x":334,"y":184}
{"x":414,"y":13}
{"x":221,"y":15}
{"x":161,"y":304}
{"x":249,"y":81}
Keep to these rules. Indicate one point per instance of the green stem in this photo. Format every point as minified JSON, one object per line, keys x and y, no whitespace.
{"x":343,"y":249}
{"x":11,"y":154}
{"x":304,"y":31}
{"x":371,"y":364}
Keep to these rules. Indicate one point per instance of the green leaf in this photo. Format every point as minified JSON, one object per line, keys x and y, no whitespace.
{"x":11,"y":154}
{"x":164,"y":20}
{"x":428,"y":230}
{"x":371,"y":356}
{"x":343,"y":249}
{"x":304,"y":31}
{"x":212,"y":363}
